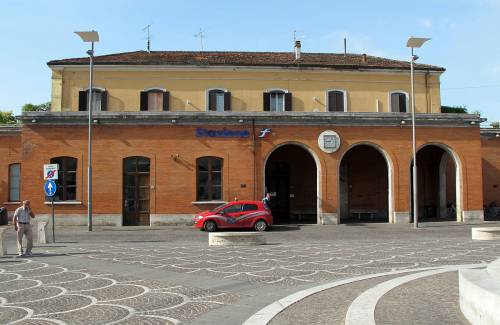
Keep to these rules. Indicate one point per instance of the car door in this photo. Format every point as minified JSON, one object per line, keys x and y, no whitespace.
{"x":249,"y":214}
{"x":231,"y":214}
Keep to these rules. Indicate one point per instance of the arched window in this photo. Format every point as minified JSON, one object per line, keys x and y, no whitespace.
{"x":154,"y":100}
{"x":99,"y":100}
{"x":399,"y":102}
{"x":14,"y":182}
{"x":66,"y":182}
{"x":336,"y":100}
{"x":208,"y":179}
{"x":277,"y":100}
{"x":218,"y":100}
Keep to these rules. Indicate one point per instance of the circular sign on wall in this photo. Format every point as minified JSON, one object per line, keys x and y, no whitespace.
{"x":329,"y":141}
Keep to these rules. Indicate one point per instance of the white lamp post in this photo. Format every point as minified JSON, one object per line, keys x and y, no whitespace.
{"x":414,"y":42}
{"x":90,"y":36}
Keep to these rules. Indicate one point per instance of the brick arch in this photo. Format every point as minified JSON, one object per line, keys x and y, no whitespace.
{"x":390,"y":175}
{"x":458,"y":175}
{"x":319,"y":184}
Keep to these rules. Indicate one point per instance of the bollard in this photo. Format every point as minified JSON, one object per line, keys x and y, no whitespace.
{"x":3,"y":241}
{"x":42,"y":232}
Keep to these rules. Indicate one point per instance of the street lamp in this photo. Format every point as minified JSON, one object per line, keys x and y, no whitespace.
{"x":414,"y":42}
{"x":90,"y":36}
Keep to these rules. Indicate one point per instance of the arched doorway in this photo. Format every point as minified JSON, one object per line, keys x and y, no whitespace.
{"x":364,"y":178}
{"x":291,"y":177}
{"x":136,"y":191}
{"x":438,"y":185}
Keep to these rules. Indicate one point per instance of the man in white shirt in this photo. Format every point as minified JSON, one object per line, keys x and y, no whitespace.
{"x":22,"y":226}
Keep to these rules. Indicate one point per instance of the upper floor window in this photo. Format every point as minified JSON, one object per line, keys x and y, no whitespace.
{"x":99,"y":100}
{"x":399,"y":102}
{"x":336,"y":101}
{"x":14,"y":182}
{"x":209,"y":179}
{"x":219,"y":100}
{"x":277,"y":101}
{"x":66,"y":184}
{"x":154,"y":100}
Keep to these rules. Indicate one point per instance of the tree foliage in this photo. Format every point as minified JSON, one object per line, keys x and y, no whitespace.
{"x":453,"y":109}
{"x":7,"y":118}
{"x":36,"y":108}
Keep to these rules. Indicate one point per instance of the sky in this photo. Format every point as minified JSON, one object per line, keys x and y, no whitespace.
{"x":465,"y":37}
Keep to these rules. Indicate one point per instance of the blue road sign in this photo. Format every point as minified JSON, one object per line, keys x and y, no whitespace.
{"x":50,"y":187}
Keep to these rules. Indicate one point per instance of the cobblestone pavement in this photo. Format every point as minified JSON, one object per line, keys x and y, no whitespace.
{"x":35,"y":292}
{"x":294,"y":264}
{"x":171,"y":275}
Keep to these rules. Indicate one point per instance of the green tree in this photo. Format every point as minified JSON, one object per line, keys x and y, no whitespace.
{"x":7,"y":118}
{"x":36,"y":108}
{"x":453,"y":109}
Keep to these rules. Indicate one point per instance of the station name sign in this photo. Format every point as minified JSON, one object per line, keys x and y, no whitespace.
{"x":221,"y":133}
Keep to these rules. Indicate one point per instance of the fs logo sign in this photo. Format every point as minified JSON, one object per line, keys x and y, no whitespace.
{"x":264,"y":133}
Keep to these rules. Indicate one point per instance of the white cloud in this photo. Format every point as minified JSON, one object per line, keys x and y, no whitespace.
{"x":426,"y":23}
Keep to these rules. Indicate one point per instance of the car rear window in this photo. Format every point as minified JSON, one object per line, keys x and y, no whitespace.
{"x":250,"y":207}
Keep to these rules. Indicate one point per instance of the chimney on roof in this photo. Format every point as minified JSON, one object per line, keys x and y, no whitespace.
{"x":297,"y":50}
{"x":364,"y":58}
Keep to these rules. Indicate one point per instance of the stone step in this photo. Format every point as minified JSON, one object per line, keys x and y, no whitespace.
{"x":480,"y":294}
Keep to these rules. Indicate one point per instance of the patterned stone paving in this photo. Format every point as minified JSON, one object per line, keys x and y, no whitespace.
{"x":296,"y":264}
{"x":33,"y":292}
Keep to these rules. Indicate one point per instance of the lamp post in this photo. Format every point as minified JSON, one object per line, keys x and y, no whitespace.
{"x":90,"y":36}
{"x":414,"y":42}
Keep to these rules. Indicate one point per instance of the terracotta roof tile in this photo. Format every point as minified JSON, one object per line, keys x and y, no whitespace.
{"x":281,"y":59}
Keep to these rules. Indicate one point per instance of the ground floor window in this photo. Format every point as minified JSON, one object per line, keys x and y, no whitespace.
{"x":66,"y":184}
{"x":14,"y":182}
{"x":209,"y":179}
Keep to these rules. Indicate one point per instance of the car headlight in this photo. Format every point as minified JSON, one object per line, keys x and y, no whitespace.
{"x":198,"y":217}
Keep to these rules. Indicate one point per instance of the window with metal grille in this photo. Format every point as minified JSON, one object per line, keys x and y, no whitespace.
{"x":209,"y":179}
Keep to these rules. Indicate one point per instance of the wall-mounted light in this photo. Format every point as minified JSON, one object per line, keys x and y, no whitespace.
{"x":472,"y":123}
{"x":174,"y":121}
{"x":96,"y":121}
{"x":175,"y":156}
{"x":403,"y":122}
{"x":240,"y":121}
{"x":33,"y":121}
{"x":188,"y":102}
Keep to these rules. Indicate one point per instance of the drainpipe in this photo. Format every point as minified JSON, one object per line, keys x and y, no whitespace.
{"x":254,"y":161}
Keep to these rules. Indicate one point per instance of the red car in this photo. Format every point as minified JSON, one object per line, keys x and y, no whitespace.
{"x":236,"y":214}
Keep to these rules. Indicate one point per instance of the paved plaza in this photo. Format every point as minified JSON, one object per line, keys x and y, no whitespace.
{"x":389,"y":274}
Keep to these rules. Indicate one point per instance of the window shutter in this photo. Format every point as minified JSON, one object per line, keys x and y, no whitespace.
{"x":402,"y":103}
{"x":104,"y":101}
{"x":82,"y":101}
{"x":144,"y":101}
{"x":227,"y":101}
{"x":288,"y":101}
{"x":211,"y":101}
{"x":267,"y":102}
{"x":331,"y":101}
{"x":340,"y":101}
{"x":166,"y":101}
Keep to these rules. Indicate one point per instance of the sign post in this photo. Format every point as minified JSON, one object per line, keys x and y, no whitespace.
{"x":50,"y":189}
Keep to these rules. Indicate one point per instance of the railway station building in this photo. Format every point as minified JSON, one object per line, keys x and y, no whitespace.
{"x":174,"y":133}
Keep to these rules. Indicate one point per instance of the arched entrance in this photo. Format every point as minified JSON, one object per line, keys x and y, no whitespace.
{"x":364,"y":192}
{"x":291,"y":177}
{"x":136,"y":191}
{"x":438,"y":184}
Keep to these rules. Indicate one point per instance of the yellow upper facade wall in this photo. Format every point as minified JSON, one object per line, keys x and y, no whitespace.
{"x":366,"y":91}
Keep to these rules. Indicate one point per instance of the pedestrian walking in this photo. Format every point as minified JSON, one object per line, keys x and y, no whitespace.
{"x":22,"y":225}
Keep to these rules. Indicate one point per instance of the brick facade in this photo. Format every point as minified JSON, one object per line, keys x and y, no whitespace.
{"x":173,"y":150}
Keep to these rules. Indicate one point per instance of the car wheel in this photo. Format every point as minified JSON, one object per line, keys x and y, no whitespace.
{"x":210,"y":226}
{"x":260,"y":225}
